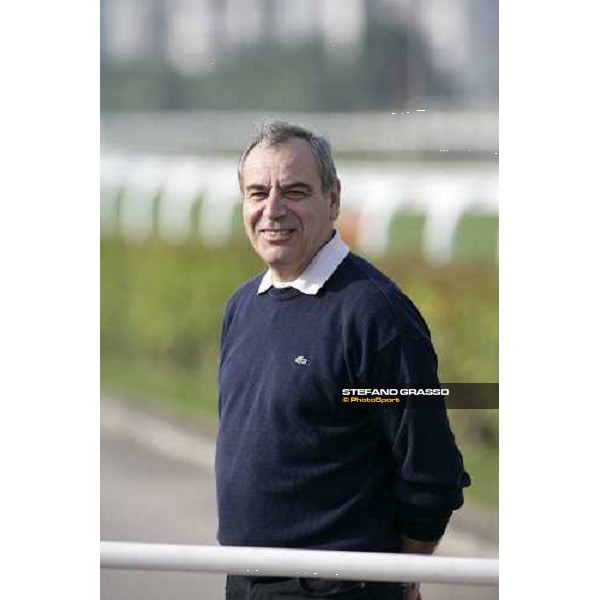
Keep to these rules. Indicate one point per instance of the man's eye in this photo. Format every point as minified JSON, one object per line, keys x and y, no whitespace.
{"x":296,"y":194}
{"x":257,"y":195}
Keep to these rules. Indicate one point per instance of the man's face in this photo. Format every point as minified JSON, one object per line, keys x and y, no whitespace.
{"x":287,"y":216}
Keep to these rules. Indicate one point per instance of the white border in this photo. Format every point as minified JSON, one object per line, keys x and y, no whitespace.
{"x":549,"y":302}
{"x":50,"y":299}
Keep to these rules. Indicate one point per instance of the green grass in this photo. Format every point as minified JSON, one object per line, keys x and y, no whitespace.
{"x":482,"y":464}
{"x":406,"y":233}
{"x":163,"y":305}
{"x":476,"y":239}
{"x":192,"y":393}
{"x":476,"y":432}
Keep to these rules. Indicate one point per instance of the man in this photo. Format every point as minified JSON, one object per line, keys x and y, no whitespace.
{"x":296,"y":465}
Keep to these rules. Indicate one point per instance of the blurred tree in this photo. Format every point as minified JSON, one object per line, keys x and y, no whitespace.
{"x":301,"y":77}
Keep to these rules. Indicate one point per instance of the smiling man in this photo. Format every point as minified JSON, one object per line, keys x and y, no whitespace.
{"x":296,"y":467}
{"x":288,"y":210}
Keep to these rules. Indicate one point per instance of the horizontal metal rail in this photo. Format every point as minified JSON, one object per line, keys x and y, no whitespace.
{"x":285,"y":562}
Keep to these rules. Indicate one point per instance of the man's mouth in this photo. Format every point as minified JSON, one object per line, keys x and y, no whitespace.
{"x":276,"y":234}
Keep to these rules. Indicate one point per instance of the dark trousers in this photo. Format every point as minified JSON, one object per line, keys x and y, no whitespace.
{"x":276,"y":588}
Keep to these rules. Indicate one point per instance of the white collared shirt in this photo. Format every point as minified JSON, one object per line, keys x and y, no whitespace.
{"x":320,"y":269}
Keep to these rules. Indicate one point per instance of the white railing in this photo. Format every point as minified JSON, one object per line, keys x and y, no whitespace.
{"x":372,"y":192}
{"x":284,"y":562}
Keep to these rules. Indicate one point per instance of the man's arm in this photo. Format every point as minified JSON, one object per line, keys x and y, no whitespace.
{"x":430,"y":473}
{"x":423,"y":529}
{"x":410,"y":546}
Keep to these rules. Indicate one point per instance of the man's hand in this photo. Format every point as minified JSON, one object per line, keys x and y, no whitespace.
{"x":410,"y":546}
{"x":412,"y":592}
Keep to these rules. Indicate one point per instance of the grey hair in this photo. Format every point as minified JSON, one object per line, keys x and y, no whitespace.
{"x":271,"y":133}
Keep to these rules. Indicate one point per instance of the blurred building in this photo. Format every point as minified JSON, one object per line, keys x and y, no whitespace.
{"x":194,"y":36}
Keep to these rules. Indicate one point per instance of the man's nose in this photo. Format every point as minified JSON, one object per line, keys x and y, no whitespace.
{"x":275,"y":207}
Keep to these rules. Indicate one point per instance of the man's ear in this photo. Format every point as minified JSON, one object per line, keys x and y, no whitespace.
{"x":334,"y":200}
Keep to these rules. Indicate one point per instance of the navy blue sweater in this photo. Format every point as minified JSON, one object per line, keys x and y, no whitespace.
{"x":297,"y":467}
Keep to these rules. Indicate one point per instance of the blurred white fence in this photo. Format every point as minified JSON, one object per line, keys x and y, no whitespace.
{"x":141,"y":193}
{"x":286,"y":562}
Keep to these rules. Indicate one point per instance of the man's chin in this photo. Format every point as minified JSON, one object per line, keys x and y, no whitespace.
{"x":279,"y":261}
{"x":272,"y":253}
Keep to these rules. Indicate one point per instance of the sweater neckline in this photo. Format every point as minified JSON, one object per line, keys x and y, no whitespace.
{"x":287,"y":293}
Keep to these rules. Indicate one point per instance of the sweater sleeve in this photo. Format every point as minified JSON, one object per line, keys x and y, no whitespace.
{"x":430,"y":474}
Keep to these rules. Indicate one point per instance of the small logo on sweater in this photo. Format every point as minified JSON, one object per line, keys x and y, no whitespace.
{"x":301,"y":360}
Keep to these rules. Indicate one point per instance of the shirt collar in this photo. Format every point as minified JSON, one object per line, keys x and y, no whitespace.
{"x":320,"y":269}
